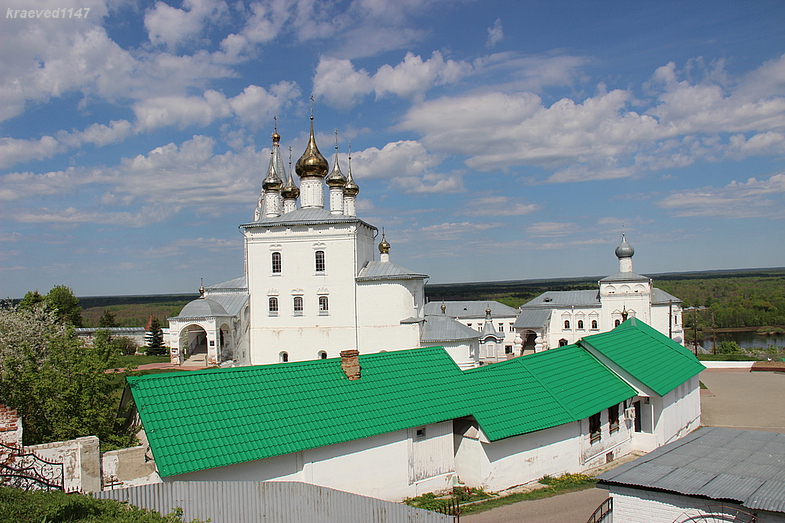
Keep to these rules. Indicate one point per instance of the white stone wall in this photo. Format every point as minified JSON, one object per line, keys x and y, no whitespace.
{"x":81,"y":462}
{"x":385,"y":466}
{"x":679,"y":412}
{"x":129,"y":467}
{"x":644,"y":506}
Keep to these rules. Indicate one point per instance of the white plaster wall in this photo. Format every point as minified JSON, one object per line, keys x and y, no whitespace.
{"x":347,"y":247}
{"x":643,"y":506}
{"x":660,"y":319}
{"x":81,"y":462}
{"x":678,"y":412}
{"x":556,"y":331}
{"x":519,"y":459}
{"x":378,"y":466}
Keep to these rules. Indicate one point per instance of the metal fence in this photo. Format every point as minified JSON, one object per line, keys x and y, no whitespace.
{"x":268,"y":502}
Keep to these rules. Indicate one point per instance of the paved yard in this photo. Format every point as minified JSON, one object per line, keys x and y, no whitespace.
{"x":735,"y":398}
{"x":743,"y":400}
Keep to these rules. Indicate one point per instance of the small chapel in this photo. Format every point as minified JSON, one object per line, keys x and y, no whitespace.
{"x":318,"y":280}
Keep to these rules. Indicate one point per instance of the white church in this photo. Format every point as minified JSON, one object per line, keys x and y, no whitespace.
{"x":313,"y":286}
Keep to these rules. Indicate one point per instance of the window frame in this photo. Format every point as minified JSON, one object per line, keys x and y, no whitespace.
{"x":273,"y":305}
{"x":297,"y":305}
{"x":320,"y":263}
{"x":595,"y":428}
{"x":276,"y":262}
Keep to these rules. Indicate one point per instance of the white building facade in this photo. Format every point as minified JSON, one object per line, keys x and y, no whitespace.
{"x":558,"y":318}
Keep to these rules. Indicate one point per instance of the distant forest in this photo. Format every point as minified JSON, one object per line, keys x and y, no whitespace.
{"x":736,"y":299}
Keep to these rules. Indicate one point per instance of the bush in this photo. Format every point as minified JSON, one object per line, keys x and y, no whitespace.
{"x":17,"y":506}
{"x":729,"y":347}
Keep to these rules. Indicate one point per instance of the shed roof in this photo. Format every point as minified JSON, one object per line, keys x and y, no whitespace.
{"x":717,"y":463}
{"x":647,"y":355}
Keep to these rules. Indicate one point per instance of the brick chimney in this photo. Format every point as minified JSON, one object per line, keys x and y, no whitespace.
{"x":10,"y":427}
{"x":350,"y":363}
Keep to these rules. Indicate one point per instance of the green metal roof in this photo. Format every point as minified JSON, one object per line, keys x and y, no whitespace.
{"x":648,"y":356}
{"x":212,"y":418}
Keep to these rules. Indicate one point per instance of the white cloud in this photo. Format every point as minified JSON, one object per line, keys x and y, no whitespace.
{"x":340,"y":85}
{"x":495,"y":34}
{"x":602,"y":136}
{"x":751,"y":199}
{"x":499,"y":206}
{"x":550,"y":229}
{"x":172,"y":27}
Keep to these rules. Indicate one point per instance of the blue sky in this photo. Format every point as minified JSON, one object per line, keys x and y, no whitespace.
{"x":492,"y":140}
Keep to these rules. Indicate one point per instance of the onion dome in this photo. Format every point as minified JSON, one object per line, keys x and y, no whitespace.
{"x":351,"y":188}
{"x":384,"y":247}
{"x":273,"y":180}
{"x":312,"y":163}
{"x":290,"y":190}
{"x":624,"y":250}
{"x":336,"y":177}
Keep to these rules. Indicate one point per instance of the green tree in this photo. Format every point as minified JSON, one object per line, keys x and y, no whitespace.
{"x":156,"y":343}
{"x":729,"y":347}
{"x":108,"y":319}
{"x":55,"y":380}
{"x":65,"y":305}
{"x":31,"y":299}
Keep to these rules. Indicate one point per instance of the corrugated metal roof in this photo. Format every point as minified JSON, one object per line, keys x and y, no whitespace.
{"x":660,"y":297}
{"x":439,"y":328}
{"x":213,"y":418}
{"x":551,"y":299}
{"x":625,"y":276}
{"x":747,"y":472}
{"x":309,"y":216}
{"x":233,"y":284}
{"x":379,"y":270}
{"x":631,"y":346}
{"x":470,"y":309}
{"x":532,"y":318}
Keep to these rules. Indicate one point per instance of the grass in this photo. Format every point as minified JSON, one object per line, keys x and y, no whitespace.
{"x":474,"y":501}
{"x":135,"y":360}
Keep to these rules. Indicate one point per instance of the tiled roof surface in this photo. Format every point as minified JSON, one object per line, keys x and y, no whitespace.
{"x":212,"y":418}
{"x":717,"y":463}
{"x":655,"y":360}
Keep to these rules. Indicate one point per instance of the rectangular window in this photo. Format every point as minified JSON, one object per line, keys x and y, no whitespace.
{"x":298,"y":305}
{"x":501,"y":327}
{"x":319,"y":261}
{"x":276,"y":262}
{"x":324,"y":306}
{"x":613,"y":418}
{"x":420,"y":435}
{"x":595,"y":429}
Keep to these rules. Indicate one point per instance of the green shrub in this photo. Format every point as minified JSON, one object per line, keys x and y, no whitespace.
{"x":18,"y":506}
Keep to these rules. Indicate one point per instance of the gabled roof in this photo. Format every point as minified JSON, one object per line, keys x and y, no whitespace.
{"x":659,"y":296}
{"x":552,"y":299}
{"x":744,"y":466}
{"x":439,"y":328}
{"x":647,"y":355}
{"x":470,"y":309}
{"x":213,"y":418}
{"x":379,"y":270}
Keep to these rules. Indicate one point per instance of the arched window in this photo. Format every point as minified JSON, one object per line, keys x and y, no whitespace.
{"x":580,"y":324}
{"x":562,"y":342}
{"x":276,"y":262}
{"x":319,"y":261}
{"x":617,"y":323}
{"x":272,"y":305}
{"x":298,"y":305}
{"x":324,"y":305}
{"x":283,"y":357}
{"x":322,"y":355}
{"x":566,"y":324}
{"x":594,"y":324}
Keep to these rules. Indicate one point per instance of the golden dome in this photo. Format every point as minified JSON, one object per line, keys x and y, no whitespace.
{"x":384,"y":247}
{"x":312,"y":163}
